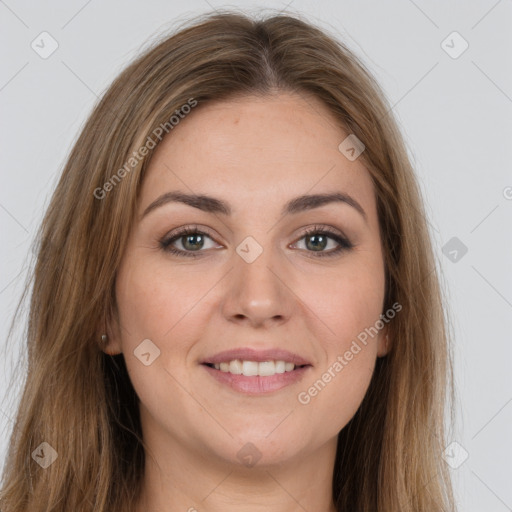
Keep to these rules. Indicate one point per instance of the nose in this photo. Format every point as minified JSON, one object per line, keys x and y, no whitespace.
{"x":257,"y":293}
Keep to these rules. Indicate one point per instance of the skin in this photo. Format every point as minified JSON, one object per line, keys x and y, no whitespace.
{"x":255,"y":153}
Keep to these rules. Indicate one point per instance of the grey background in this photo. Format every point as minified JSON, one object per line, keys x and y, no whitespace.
{"x":455,"y":114}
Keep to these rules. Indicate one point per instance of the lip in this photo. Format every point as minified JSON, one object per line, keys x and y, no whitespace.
{"x":257,"y":385}
{"x":250,"y":354}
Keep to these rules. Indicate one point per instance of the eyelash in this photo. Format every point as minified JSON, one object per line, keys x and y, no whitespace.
{"x":344,"y":243}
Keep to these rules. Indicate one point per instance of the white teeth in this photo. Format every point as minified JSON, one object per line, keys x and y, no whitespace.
{"x":266,"y":368}
{"x":235,"y":367}
{"x":252,"y":368}
{"x":249,"y":368}
{"x":280,"y":366}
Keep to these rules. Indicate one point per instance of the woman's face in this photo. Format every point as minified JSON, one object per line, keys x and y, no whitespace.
{"x":256,"y":285}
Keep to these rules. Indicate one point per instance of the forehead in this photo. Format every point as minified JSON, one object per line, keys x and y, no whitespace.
{"x":257,"y":148}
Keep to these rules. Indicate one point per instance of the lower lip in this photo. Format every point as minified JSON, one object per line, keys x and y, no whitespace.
{"x":257,"y":384}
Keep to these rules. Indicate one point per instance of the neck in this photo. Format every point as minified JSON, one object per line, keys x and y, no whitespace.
{"x":180,"y":478}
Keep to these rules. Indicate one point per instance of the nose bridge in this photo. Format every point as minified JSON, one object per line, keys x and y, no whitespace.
{"x":256,"y":290}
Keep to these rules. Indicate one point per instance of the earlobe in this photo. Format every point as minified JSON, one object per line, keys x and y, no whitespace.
{"x":384,"y":346}
{"x":108,"y":338}
{"x":110,"y":347}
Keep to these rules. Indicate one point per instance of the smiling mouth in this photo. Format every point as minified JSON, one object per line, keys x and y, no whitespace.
{"x":255,"y":368}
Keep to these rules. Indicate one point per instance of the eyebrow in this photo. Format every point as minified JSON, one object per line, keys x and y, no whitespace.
{"x":213,"y":205}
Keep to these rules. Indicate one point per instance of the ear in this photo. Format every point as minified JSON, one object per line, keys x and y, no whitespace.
{"x":111,"y":347}
{"x":384,"y":343}
{"x":109,"y":338}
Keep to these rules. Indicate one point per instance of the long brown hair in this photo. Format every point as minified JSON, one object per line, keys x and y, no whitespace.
{"x":81,"y":402}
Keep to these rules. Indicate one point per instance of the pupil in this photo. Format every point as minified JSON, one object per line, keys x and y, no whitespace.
{"x":191,"y":246}
{"x":316,"y":245}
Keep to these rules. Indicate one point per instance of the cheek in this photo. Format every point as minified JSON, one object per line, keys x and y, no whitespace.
{"x":341,"y":380}
{"x":163,"y":305}
{"x":346,"y":302}
{"x":336,"y":395}
{"x":155,"y":299}
{"x":347,"y":307}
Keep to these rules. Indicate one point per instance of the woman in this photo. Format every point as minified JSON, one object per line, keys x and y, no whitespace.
{"x":235,"y":303}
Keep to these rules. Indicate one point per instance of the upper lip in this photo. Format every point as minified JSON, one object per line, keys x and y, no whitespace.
{"x":250,"y":354}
